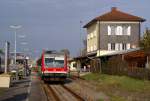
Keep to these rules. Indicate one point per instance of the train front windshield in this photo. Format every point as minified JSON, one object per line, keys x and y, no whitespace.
{"x":52,"y":62}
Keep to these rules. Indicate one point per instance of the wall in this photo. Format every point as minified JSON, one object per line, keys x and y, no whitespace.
{"x":133,"y":39}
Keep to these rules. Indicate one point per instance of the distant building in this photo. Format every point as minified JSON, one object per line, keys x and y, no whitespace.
{"x":113,"y":31}
{"x":21,"y":62}
{"x":2,"y":62}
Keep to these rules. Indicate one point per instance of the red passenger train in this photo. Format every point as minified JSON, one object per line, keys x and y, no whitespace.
{"x":53,"y":66}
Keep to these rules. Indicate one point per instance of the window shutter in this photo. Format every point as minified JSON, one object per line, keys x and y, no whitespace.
{"x":128,"y":45}
{"x":120,"y":46}
{"x":109,"y":46}
{"x":117,"y":46}
{"x":129,"y":30}
{"x":109,"y":30}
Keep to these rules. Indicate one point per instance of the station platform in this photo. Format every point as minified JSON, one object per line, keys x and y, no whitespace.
{"x":27,"y":89}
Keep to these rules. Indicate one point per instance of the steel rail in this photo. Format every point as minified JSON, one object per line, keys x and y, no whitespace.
{"x":73,"y":93}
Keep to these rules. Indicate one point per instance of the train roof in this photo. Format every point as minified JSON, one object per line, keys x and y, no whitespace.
{"x":54,"y":52}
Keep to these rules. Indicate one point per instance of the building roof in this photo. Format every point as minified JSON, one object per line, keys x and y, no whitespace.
{"x":85,"y":56}
{"x":115,"y":15}
{"x":120,"y":52}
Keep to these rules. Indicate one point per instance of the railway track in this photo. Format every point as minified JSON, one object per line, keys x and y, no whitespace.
{"x":59,"y":92}
{"x":74,"y":77}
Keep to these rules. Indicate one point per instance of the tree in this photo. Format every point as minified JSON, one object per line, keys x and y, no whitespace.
{"x":1,"y":52}
{"x":145,"y":42}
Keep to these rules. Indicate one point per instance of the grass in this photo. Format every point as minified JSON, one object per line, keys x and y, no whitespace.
{"x":117,"y":98}
{"x":119,"y":87}
{"x":123,"y":82}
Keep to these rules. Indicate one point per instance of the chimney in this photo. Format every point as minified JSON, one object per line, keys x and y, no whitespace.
{"x":113,"y":8}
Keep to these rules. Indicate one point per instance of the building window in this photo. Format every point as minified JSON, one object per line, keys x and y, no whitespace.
{"x":133,"y":46}
{"x":111,"y":46}
{"x":88,"y":49}
{"x":94,"y":33}
{"x":112,"y":30}
{"x":118,"y":46}
{"x":128,"y":45}
{"x":91,"y":48}
{"x":129,"y":30}
{"x":91,"y":35}
{"x":109,"y":30}
{"x":119,"y":30}
{"x":88,"y":37}
{"x":124,"y":30}
{"x":124,"y":46}
{"x":95,"y":48}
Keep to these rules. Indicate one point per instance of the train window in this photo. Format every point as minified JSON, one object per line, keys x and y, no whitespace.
{"x":59,"y":63}
{"x":51,"y":62}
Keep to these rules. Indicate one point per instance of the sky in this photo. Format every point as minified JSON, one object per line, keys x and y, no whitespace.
{"x":55,"y":24}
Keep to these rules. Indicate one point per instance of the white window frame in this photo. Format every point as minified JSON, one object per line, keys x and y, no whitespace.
{"x":88,"y":37}
{"x":113,"y":30}
{"x":120,"y":46}
{"x":129,"y":30}
{"x":91,"y":48}
{"x":109,"y":30}
{"x":128,"y":46}
{"x":95,"y":48}
{"x":95,"y":33}
{"x":88,"y":49}
{"x":92,"y":35}
{"x":117,"y":46}
{"x":124,"y":46}
{"x":119,"y":30}
{"x":109,"y":46}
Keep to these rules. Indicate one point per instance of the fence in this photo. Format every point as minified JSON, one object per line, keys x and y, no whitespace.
{"x":117,"y":66}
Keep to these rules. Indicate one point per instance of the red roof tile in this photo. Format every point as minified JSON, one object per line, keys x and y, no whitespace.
{"x":115,"y":15}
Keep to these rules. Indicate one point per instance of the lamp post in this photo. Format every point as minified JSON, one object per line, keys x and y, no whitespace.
{"x":15,"y":27}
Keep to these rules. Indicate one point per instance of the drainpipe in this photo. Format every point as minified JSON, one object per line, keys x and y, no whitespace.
{"x":99,"y":60}
{"x":6,"y":57}
{"x":139,"y":33}
{"x":98,"y":35}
